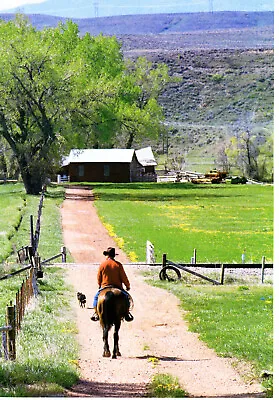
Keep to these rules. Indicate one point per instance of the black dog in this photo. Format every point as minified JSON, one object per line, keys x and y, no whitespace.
{"x":82,"y":299}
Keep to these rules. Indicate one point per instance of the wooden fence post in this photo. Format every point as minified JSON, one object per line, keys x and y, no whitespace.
{"x":222,"y":275}
{"x":32,"y":234}
{"x":262,"y":269}
{"x":40,"y":273}
{"x":195,"y":256}
{"x":63,"y":253}
{"x":11,"y":334}
{"x":17,"y":314}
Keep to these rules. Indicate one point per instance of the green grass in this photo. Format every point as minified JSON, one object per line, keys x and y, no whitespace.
{"x":235,"y":321}
{"x":46,"y":346}
{"x":50,"y":235}
{"x":220,"y":221}
{"x":13,"y":201}
{"x":11,"y":196}
{"x":164,"y":385}
{"x":47,"y":352}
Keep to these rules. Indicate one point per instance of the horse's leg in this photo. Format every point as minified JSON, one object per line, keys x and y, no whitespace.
{"x":106,"y":352}
{"x":116,"y":351}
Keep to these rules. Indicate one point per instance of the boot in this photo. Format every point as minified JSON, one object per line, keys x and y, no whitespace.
{"x":95,"y":316}
{"x":129,"y":317}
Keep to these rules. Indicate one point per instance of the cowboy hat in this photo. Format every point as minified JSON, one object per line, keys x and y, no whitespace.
{"x":110,"y":252}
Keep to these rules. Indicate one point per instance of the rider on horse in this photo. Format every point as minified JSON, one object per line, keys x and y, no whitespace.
{"x":111,"y":273}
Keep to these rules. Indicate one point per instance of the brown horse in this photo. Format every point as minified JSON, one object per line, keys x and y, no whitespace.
{"x":112,"y":307}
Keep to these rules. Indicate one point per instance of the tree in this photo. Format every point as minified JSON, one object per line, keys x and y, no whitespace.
{"x":251,"y":158}
{"x":265,"y":160}
{"x":148,"y":82}
{"x":59,"y":90}
{"x":33,"y":83}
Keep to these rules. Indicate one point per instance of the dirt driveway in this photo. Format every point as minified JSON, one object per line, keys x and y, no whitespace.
{"x":157,"y":341}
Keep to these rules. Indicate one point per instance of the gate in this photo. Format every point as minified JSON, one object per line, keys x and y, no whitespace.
{"x":171,"y":271}
{"x":168,"y":266}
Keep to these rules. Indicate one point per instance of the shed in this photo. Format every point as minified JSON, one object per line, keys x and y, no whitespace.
{"x":110,"y":165}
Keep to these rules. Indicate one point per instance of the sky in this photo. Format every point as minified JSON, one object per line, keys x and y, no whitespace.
{"x":94,"y":8}
{"x":8,"y":4}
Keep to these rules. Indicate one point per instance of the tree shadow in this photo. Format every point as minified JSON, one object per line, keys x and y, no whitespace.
{"x":85,"y":388}
{"x":164,"y":191}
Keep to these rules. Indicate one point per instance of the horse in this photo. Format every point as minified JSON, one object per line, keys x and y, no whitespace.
{"x":112,"y":307}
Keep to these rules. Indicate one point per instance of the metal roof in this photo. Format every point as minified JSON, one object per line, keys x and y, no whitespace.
{"x":144,"y":156}
{"x":99,"y":155}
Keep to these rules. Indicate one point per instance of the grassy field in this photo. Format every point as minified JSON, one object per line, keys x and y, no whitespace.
{"x":220,"y":221}
{"x":15,"y":226}
{"x":13,"y":201}
{"x":46,"y":347}
{"x":47,"y":352}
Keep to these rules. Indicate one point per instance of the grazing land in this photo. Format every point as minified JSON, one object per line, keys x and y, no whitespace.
{"x":13,"y":201}
{"x":16,"y":209}
{"x":46,"y":347}
{"x":220,"y":221}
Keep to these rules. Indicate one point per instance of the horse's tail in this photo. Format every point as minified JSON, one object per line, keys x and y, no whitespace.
{"x":109,"y":309}
{"x":112,"y":307}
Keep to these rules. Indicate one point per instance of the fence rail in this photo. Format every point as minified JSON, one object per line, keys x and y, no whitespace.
{"x":191,"y":269}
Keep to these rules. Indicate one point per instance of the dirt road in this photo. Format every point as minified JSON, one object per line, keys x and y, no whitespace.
{"x":157,"y":341}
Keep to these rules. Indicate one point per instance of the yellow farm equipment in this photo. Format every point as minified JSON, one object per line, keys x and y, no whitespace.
{"x":212,"y":176}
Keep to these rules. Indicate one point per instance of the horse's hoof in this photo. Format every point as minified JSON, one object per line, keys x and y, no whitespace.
{"x":106,"y":354}
{"x":118,"y":353}
{"x":114,"y":356}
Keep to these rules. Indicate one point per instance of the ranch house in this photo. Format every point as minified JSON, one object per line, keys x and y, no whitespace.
{"x":110,"y":165}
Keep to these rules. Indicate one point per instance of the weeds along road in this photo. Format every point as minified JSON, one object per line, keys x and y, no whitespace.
{"x":157,"y":341}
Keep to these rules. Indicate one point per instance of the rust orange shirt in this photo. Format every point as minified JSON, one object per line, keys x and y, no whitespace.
{"x":111,"y":272}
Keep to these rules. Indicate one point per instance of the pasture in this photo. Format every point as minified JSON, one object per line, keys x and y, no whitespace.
{"x":15,"y":229}
{"x":46,"y":360}
{"x":220,"y":221}
{"x":12,"y":205}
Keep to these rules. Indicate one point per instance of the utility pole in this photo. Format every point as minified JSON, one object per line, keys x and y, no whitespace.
{"x":96,"y":9}
{"x":210,"y":6}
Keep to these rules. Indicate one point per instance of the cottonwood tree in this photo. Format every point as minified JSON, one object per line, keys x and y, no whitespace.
{"x":251,"y":158}
{"x":148,"y":82}
{"x":59,"y":90}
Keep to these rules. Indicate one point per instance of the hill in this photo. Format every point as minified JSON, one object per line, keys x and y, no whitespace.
{"x":225,"y":64}
{"x":158,"y":23}
{"x":105,"y":8}
{"x":220,"y":93}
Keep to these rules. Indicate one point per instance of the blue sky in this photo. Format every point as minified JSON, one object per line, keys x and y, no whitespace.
{"x":91,"y":8}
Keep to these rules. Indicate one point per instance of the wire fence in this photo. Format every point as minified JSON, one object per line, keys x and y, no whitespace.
{"x":16,"y":310}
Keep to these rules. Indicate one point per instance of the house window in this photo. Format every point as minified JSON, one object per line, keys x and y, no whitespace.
{"x":81,"y":170}
{"x":106,"y":170}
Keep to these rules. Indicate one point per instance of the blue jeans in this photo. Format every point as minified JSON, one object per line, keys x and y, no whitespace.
{"x":95,"y":301}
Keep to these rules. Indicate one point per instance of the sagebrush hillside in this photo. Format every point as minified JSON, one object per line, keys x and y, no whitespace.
{"x":220,"y":92}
